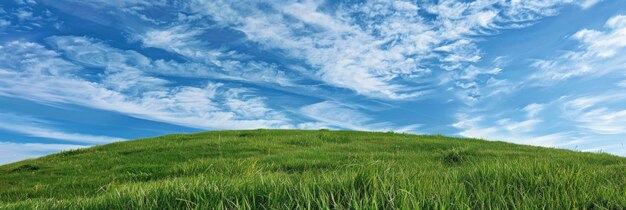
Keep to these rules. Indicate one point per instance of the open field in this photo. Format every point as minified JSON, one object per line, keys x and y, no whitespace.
{"x":287,"y":169}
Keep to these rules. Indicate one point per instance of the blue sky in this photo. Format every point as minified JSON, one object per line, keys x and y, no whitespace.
{"x":540,"y":72}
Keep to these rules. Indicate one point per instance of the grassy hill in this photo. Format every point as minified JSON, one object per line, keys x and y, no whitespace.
{"x":286,"y":169}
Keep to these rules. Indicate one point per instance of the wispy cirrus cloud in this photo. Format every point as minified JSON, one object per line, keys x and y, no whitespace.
{"x":588,"y":112}
{"x":572,"y":121}
{"x":184,"y":39}
{"x":331,"y":114}
{"x":21,"y":16}
{"x":33,"y":72}
{"x":380,"y":49}
{"x":11,"y":151}
{"x":595,"y":56}
{"x":601,"y":114}
{"x":4,"y":23}
{"x":504,"y":129}
{"x":38,"y":128}
{"x":94,"y":53}
{"x":130,"y":84}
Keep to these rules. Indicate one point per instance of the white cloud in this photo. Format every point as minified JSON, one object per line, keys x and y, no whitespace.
{"x":520,"y":132}
{"x":405,"y":6}
{"x":478,"y":126}
{"x":618,"y":149}
{"x":23,"y":14}
{"x":519,"y":127}
{"x":586,"y":123}
{"x":34,"y":58}
{"x":599,"y":53}
{"x":344,"y":54}
{"x":332,"y":114}
{"x":123,"y":63}
{"x":25,"y":2}
{"x":35,"y":73}
{"x":374,"y":47}
{"x":471,"y":72}
{"x":206,"y":61}
{"x":179,"y":39}
{"x":11,"y":152}
{"x":469,"y":127}
{"x":617,"y":22}
{"x":588,"y":3}
{"x":4,"y":23}
{"x":381,"y":49}
{"x":120,"y":3}
{"x":601,"y":114}
{"x":212,"y":106}
{"x":604,"y":44}
{"x":173,"y":38}
{"x":37,"y":128}
{"x":533,"y":109}
{"x":336,"y":114}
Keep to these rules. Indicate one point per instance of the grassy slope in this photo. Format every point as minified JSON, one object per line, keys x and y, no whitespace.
{"x":314,"y":169}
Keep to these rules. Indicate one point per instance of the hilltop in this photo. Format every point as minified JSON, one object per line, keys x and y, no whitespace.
{"x":287,"y":169}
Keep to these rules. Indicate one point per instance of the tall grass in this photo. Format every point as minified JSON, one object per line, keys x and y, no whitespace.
{"x":270,"y":169}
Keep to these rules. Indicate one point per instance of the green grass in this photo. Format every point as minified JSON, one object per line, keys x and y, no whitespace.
{"x":287,"y":169}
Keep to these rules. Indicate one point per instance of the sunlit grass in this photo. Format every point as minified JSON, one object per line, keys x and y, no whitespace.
{"x":286,"y":169}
